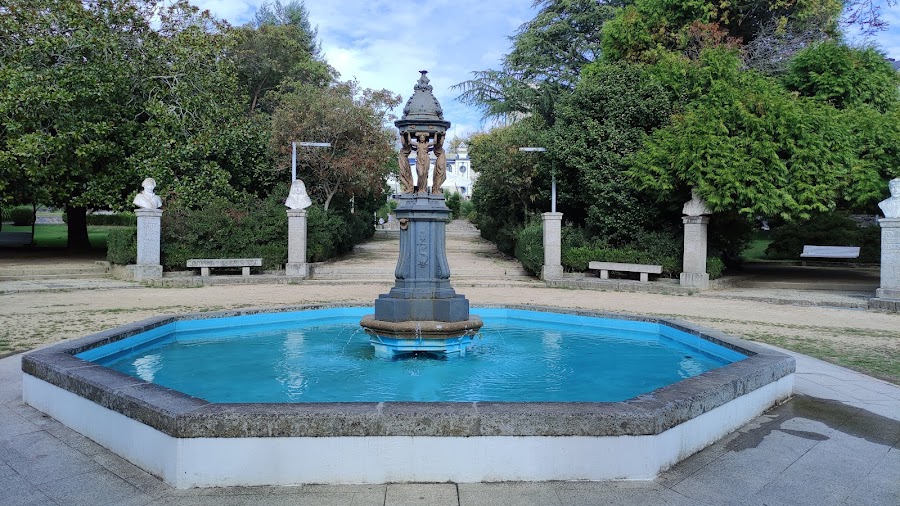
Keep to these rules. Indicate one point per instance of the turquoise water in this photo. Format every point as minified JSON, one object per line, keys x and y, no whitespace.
{"x":324,"y":356}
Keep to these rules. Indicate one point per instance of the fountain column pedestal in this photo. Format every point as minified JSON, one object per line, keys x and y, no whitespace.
{"x":422,"y":312}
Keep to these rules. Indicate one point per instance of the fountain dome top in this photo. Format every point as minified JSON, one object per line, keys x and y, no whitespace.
{"x":422,"y":112}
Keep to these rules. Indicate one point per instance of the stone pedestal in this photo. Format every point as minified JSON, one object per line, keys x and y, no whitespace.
{"x":148,"y":232}
{"x":552,"y":268}
{"x":421,"y":312}
{"x":890,"y":259}
{"x":296,"y":265}
{"x":694,"y":266}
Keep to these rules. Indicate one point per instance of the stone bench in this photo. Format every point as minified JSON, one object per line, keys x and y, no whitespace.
{"x":205,"y":264}
{"x":643,"y":269}
{"x":830,"y":252}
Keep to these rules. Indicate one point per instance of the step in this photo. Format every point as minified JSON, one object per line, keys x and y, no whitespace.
{"x":39,"y":277}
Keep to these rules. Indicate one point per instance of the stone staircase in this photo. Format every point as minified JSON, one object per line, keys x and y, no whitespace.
{"x":470,"y":258}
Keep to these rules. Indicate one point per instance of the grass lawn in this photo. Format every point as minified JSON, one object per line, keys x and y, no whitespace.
{"x":54,"y":236}
{"x":756,"y":251}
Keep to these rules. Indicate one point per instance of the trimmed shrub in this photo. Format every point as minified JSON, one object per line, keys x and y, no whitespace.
{"x":715,"y":266}
{"x":453,"y":202}
{"x":21,"y":216}
{"x":529,"y":247}
{"x":466,"y":209}
{"x":121,"y":246}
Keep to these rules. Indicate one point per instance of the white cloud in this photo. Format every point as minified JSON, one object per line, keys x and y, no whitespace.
{"x":384,"y":44}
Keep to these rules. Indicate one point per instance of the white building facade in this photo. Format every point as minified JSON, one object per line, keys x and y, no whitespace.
{"x":460,"y":176}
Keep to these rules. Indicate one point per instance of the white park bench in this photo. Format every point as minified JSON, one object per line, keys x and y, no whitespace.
{"x":830,"y":252}
{"x":643,"y":269}
{"x":205,"y":264}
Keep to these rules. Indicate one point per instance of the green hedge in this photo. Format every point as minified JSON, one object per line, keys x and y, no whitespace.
{"x":249,"y":228}
{"x":657,"y":248}
{"x":107,"y":220}
{"x":831,"y":229}
{"x":253,"y":228}
{"x":121,"y":246}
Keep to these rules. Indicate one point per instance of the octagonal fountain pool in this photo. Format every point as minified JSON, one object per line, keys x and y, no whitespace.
{"x":298,"y":395}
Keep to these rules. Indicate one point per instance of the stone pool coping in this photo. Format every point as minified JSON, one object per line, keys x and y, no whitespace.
{"x":182,"y":416}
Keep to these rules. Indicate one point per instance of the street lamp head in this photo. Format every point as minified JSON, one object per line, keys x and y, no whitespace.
{"x":315,"y":144}
{"x":533,"y":149}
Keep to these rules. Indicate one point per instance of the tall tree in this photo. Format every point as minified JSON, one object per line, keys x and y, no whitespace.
{"x":269,"y":54}
{"x":294,"y":14}
{"x":280,"y":45}
{"x":648,"y":28}
{"x":605,"y":120}
{"x":746,"y":144}
{"x":547,"y":56}
{"x":70,"y":74}
{"x":844,"y":76}
{"x":353,"y":121}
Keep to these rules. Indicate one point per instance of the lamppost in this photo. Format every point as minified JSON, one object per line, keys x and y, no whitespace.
{"x":552,"y":176}
{"x":294,"y":153}
{"x":552,"y":229}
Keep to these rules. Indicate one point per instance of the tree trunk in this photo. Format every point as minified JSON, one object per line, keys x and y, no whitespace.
{"x":77,"y":236}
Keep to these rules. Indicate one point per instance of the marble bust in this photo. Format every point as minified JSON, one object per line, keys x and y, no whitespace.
{"x":147,"y":199}
{"x":696,"y":206}
{"x":297,"y":197}
{"x":891,"y":205}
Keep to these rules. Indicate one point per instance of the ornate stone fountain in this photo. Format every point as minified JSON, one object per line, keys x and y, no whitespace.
{"x":422,"y":312}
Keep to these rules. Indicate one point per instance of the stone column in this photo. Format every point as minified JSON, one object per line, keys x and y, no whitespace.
{"x":890,"y":259}
{"x":694,"y":270}
{"x":148,"y":231}
{"x":296,"y":264}
{"x":552,"y":268}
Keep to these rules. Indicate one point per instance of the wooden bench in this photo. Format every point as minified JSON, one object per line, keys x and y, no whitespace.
{"x":643,"y":269}
{"x":205,"y":264}
{"x":810,"y":251}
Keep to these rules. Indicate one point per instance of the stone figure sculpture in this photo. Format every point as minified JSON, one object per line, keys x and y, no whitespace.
{"x":297,"y":197}
{"x":406,"y":181}
{"x":891,"y":205}
{"x":440,"y":163}
{"x":422,"y":161}
{"x":696,"y":206}
{"x":147,"y":199}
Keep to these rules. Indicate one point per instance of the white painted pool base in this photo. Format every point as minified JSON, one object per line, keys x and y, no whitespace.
{"x":214,"y":462}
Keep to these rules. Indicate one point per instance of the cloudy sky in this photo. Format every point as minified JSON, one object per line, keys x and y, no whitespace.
{"x":383,"y":44}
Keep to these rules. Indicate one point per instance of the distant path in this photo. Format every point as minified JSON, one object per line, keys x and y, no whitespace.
{"x":470,"y":257}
